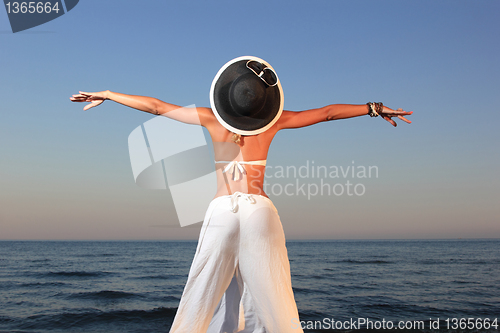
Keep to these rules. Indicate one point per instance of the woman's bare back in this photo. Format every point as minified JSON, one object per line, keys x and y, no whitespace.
{"x":250,"y":148}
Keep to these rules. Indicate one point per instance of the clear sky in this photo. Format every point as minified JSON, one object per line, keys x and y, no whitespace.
{"x":66,"y":173}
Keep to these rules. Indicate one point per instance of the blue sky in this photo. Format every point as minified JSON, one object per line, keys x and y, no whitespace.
{"x":65,"y":173}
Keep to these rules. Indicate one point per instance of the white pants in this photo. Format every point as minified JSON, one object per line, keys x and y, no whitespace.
{"x":239,"y":280}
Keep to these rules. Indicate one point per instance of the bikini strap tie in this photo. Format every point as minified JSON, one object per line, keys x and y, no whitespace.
{"x":236,"y":169}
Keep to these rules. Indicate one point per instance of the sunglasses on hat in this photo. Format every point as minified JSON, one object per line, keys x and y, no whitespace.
{"x":265,"y":73}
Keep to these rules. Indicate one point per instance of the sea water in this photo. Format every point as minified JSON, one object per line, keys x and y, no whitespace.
{"x":135,"y":286}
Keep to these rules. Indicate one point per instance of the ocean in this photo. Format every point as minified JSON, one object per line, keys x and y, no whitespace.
{"x":339,"y":286}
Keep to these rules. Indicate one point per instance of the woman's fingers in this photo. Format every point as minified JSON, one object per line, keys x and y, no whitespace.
{"x":90,"y":95}
{"x":88,"y":106}
{"x":92,"y":104}
{"x":398,"y":112}
{"x":393,"y":123}
{"x":78,"y":98}
{"x":404,"y":119}
{"x":83,"y":96}
{"x":388,"y":113}
{"x":86,"y":97}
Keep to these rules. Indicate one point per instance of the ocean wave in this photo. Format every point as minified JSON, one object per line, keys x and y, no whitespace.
{"x":96,"y":255}
{"x":352,"y":261}
{"x":42,"y":284}
{"x":158,"y":261}
{"x":434,"y":261}
{"x":4,"y":320}
{"x":40,"y":260}
{"x":457,"y":261}
{"x":90,"y":318}
{"x":77,"y":274}
{"x":104,"y":294}
{"x":465,"y":282}
{"x":161,"y":277}
{"x":308,"y":291}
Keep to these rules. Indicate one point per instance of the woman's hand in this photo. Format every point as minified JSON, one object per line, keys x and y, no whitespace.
{"x":95,"y":98}
{"x":388,"y":113}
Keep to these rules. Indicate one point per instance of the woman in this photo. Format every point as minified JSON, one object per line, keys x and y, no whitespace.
{"x":240,"y":280}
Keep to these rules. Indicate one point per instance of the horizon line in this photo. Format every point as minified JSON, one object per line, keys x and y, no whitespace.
{"x":293,"y":240}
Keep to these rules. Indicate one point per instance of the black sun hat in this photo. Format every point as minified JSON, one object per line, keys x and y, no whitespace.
{"x":246,"y":96}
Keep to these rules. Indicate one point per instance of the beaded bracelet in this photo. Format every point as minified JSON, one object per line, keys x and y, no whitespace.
{"x":379,"y":107}
{"x":375,"y":109}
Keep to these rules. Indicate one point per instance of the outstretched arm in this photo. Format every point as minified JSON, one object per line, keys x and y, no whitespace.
{"x":198,"y":116}
{"x":290,"y":119}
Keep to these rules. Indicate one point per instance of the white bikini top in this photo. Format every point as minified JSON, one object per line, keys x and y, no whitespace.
{"x":236,"y":167}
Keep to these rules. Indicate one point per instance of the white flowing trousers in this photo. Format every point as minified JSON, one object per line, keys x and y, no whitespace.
{"x":239,"y":280}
